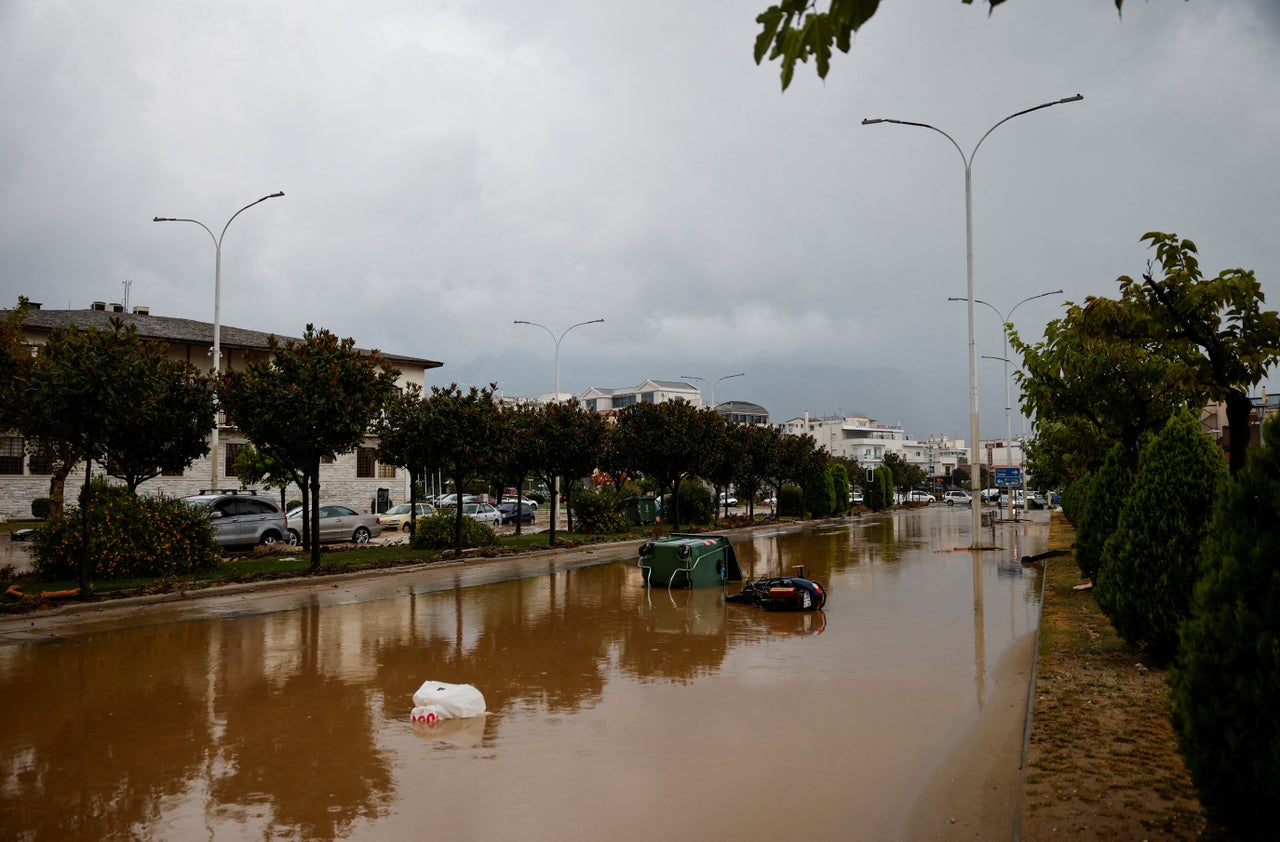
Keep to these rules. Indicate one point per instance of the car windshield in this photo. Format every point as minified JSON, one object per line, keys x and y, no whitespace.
{"x":402,"y":509}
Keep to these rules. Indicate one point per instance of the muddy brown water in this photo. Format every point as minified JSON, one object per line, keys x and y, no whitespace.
{"x":614,"y":712}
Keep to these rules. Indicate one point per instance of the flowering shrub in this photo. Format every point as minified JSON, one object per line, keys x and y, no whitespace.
{"x":128,"y":536}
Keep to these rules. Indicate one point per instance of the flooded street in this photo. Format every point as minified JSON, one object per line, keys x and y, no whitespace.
{"x":614,"y":712}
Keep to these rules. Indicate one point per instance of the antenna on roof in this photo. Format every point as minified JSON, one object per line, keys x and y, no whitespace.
{"x":125,"y":300}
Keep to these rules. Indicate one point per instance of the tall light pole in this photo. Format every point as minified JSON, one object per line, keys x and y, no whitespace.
{"x":968,"y":232}
{"x":1005,"y":321}
{"x":217,"y":311}
{"x":713,"y":385}
{"x":555,"y":491}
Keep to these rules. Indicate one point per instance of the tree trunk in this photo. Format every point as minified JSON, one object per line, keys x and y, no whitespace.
{"x":1239,"y":409}
{"x":314,"y":517}
{"x":83,"y":572}
{"x":58,"y":488}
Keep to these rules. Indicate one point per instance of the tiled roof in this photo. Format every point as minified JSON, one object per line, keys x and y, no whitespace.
{"x":168,"y":329}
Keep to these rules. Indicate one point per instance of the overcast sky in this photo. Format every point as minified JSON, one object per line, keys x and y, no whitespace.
{"x":450,"y":167}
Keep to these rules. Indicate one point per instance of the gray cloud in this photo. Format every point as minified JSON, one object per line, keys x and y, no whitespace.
{"x":449,"y":168}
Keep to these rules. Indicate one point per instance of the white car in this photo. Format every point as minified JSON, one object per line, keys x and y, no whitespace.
{"x":729,"y":500}
{"x":920,"y":497}
{"x":483,"y":512}
{"x":953,"y":497}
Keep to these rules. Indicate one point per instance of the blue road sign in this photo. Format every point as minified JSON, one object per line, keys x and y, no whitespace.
{"x":1008,"y":477}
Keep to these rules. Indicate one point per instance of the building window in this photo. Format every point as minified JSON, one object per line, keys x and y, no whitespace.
{"x":386,"y":471}
{"x":646,"y":397}
{"x":326,"y":460}
{"x":623,"y":401}
{"x":365,"y":457}
{"x":40,"y":462}
{"x":230,"y":452}
{"x":174,"y":472}
{"x":11,"y":452}
{"x":591,"y":405}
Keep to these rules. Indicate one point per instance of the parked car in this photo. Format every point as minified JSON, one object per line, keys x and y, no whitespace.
{"x":337,"y":524}
{"x":532,"y":504}
{"x":242,"y":518}
{"x":728,"y":500}
{"x":856,"y":498}
{"x":990,"y":495}
{"x":396,"y":518}
{"x":483,"y":512}
{"x":920,"y":497}
{"x":953,"y":497}
{"x":448,"y":501}
{"x":508,"y":512}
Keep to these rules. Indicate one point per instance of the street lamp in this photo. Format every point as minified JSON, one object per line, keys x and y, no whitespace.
{"x":217,"y":310}
{"x":713,"y":385}
{"x":555,"y":491}
{"x":1005,"y":321}
{"x":968,"y":231}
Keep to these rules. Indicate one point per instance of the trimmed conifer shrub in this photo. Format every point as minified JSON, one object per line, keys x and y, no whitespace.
{"x":1150,"y":565}
{"x":819,"y":495}
{"x":791,"y":501}
{"x":1100,"y":503}
{"x":1226,"y":682}
{"x":839,"y":486}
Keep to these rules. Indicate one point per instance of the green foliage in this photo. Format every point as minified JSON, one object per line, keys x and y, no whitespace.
{"x":566,"y":444}
{"x":1101,"y":497}
{"x":820,"y":494}
{"x":41,"y":508}
{"x":437,"y":532}
{"x":128,"y":536}
{"x":1226,"y":684}
{"x":904,"y":474}
{"x":793,"y":30}
{"x":1149,"y":566}
{"x":839,"y":485}
{"x":599,"y":512}
{"x":670,"y":441}
{"x":791,"y":501}
{"x":878,"y":496}
{"x":1073,"y":499}
{"x":760,"y":451}
{"x":313,"y":399}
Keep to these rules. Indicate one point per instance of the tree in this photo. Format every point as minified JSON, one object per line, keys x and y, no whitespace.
{"x":516,"y":459}
{"x":1226,"y":683}
{"x":80,"y":389}
{"x":1222,"y":341}
{"x":1103,"y":493}
{"x":905,"y":475}
{"x":168,"y":424}
{"x":566,"y":444}
{"x":793,"y":30}
{"x":315,"y":398}
{"x":760,"y":447}
{"x":839,"y":484}
{"x":254,"y":468}
{"x":668,"y":442}
{"x":1149,"y":566}
{"x":1099,"y":382}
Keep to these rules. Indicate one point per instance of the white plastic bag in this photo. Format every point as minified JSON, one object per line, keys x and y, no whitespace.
{"x":447,"y":701}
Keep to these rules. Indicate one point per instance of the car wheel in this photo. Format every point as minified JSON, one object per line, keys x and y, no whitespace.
{"x":269,"y":538}
{"x":408,"y":527}
{"x":294,"y":538}
{"x":361,"y":536}
{"x":951,"y":502}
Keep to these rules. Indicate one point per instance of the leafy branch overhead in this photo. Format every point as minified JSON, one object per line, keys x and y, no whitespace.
{"x":794,"y":30}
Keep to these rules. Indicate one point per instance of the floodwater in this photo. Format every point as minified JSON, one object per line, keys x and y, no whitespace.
{"x":615,"y":712}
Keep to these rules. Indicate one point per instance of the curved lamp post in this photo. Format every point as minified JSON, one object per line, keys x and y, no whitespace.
{"x":555,"y":492}
{"x":1006,"y":319}
{"x":713,"y":385}
{"x":968,"y":231}
{"x":217,"y":309}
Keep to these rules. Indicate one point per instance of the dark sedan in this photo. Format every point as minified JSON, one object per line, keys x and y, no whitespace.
{"x":508,"y":511}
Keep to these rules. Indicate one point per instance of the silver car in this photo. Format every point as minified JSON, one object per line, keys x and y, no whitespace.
{"x":242,"y":519}
{"x":483,"y":512}
{"x":337,"y":524}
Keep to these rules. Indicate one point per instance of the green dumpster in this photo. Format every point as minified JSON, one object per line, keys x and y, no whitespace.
{"x":641,"y":510}
{"x":689,"y":561}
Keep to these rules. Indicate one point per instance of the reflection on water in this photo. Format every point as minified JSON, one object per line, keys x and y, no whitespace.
{"x":614,"y":710}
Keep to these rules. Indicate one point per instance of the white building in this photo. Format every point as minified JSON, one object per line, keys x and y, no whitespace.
{"x":597,"y":399}
{"x":352,"y":478}
{"x":868,"y":441}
